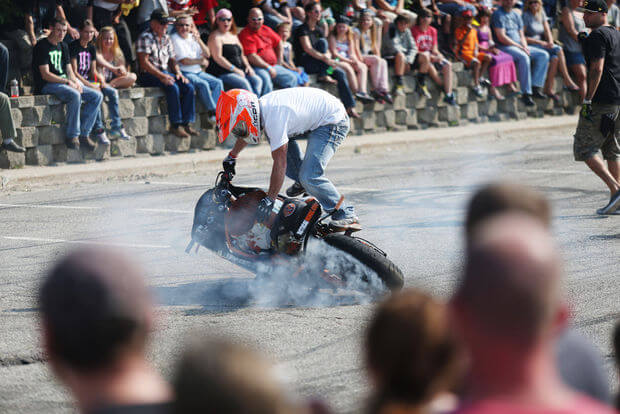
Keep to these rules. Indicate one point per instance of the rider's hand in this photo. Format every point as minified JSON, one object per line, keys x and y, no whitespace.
{"x":229,"y":165}
{"x":264,"y":209}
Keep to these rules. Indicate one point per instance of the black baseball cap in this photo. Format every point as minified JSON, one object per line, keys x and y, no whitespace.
{"x":341,"y":18}
{"x":161,"y":16}
{"x":593,"y":6}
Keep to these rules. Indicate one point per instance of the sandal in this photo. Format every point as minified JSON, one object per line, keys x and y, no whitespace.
{"x":327,"y":79}
{"x":352,"y":113}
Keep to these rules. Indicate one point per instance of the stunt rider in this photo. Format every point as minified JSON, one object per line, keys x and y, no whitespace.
{"x":287,"y":115}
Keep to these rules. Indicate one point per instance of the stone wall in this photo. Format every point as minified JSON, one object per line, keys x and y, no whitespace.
{"x":39,"y":120}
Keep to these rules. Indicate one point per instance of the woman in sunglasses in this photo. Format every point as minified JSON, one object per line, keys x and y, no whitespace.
{"x":227,"y":59}
{"x":538,"y":35}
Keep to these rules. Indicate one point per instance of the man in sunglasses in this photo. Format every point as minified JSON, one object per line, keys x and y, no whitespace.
{"x":263,"y":48}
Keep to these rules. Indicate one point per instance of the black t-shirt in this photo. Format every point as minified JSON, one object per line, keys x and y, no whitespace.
{"x":161,"y":408}
{"x":313,"y":35}
{"x":85,"y":56}
{"x":604,"y":42}
{"x":55,"y":56}
{"x":42,"y":12}
{"x":76,"y":10}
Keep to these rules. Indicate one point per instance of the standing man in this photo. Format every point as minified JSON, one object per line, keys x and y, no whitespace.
{"x":7,"y":127}
{"x":285,"y":116}
{"x":54,"y":75}
{"x":599,"y":120}
{"x":159,"y":68}
{"x":263,"y":48}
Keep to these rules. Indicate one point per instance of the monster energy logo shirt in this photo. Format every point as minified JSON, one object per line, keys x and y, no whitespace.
{"x":84,"y":57}
{"x":56,"y":57}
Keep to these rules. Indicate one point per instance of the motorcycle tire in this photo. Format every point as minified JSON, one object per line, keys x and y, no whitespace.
{"x":369,"y":256}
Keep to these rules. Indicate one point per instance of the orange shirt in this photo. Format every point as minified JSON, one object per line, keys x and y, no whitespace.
{"x":465,"y":48}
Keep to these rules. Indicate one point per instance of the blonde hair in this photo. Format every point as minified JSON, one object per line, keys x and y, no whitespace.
{"x":116,"y":49}
{"x":539,"y":15}
{"x":349,"y":35}
{"x":373,"y":34}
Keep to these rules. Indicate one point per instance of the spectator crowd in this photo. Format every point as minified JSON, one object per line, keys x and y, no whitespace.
{"x":84,"y":51}
{"x":501,"y":343}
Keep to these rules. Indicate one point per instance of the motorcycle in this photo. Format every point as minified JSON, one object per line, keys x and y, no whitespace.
{"x":225,"y":223}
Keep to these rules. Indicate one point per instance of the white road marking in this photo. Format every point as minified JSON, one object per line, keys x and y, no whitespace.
{"x":52,"y":206}
{"x":561,"y":172}
{"x":171,"y":183}
{"x":164,"y":210}
{"x":89,"y":242}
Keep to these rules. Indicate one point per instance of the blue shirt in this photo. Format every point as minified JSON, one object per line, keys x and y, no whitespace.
{"x":509,"y":21}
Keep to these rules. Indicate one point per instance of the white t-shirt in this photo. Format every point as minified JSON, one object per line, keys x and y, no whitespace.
{"x":186,"y":48}
{"x":289,"y":112}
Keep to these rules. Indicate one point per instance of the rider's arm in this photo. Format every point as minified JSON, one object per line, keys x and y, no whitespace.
{"x":239,"y":145}
{"x":277,"y":171}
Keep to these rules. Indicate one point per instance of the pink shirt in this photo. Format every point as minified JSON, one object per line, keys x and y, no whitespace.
{"x":424,"y":39}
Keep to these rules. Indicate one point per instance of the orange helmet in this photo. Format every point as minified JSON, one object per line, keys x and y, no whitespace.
{"x":238,"y":112}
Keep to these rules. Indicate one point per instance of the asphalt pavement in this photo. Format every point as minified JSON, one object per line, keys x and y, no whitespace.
{"x":410,"y":194}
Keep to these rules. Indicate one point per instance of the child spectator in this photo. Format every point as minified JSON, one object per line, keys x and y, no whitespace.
{"x":426,"y":39}
{"x":400,"y":50}
{"x":344,"y":50}
{"x":84,"y":61}
{"x":111,"y":61}
{"x":502,"y":70}
{"x":466,"y":49}
{"x":284,"y":31}
{"x":369,"y":43}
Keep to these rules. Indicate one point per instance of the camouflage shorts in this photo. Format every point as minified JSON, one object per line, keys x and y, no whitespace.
{"x":589,"y":139}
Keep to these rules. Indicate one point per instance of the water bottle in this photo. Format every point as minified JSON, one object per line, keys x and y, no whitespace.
{"x":14,"y":88}
{"x":330,"y":70}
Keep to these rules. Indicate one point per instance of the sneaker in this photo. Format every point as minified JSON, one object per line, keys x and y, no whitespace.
{"x":87,"y":143}
{"x":527,"y":100}
{"x":102,"y":137}
{"x":295,"y":190}
{"x":12,"y":146}
{"x":537,"y":93}
{"x":450,"y":99}
{"x":477,"y":91}
{"x":612,"y":206}
{"x":191,"y":131}
{"x":399,"y":90}
{"x":388,"y":98}
{"x":72,"y":143}
{"x":423,"y":90}
{"x":485,"y":82}
{"x":364,"y":97}
{"x":178,"y":131}
{"x":120,"y":134}
{"x":344,"y":217}
{"x":212,"y":119}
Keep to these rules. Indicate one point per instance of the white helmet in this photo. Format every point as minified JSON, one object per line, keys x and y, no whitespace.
{"x":238,"y":112}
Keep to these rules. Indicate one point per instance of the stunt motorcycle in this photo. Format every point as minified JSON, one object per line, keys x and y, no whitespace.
{"x":295,"y":240}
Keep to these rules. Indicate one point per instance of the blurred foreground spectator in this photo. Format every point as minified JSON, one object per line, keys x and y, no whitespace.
{"x":616,"y":343}
{"x":509,"y":310}
{"x":7,"y":127}
{"x":96,"y":315}
{"x":412,"y":358}
{"x":218,"y":376}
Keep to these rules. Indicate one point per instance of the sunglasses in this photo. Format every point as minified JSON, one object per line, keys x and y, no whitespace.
{"x":257,"y":19}
{"x":225,"y":19}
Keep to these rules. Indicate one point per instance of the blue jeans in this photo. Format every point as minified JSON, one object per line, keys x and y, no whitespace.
{"x":208,"y":88}
{"x":80,"y":121}
{"x":4,"y":67}
{"x":309,"y":170}
{"x":249,"y":83}
{"x":312,"y":65}
{"x":553,"y":52}
{"x":271,"y":20}
{"x":455,"y":8}
{"x":528,"y":77}
{"x":179,"y":96}
{"x":115,"y":119}
{"x":285,"y":78}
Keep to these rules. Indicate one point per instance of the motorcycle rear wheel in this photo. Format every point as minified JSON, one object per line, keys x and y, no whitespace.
{"x":369,"y":256}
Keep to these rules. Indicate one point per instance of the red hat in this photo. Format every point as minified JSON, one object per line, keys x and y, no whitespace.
{"x":467,"y":13}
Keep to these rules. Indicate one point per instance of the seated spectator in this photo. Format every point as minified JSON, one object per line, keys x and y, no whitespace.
{"x":369,"y":43}
{"x":425,"y":37}
{"x":111,"y":61}
{"x":159,"y":68}
{"x":502,"y":69}
{"x":345,"y":51}
{"x":263,"y":50}
{"x":455,"y":7}
{"x":54,"y":75}
{"x":177,"y":8}
{"x":571,"y":24}
{"x":96,"y":315}
{"x":84,"y":61}
{"x":219,"y":376}
{"x":144,"y":11}
{"x":531,"y":63}
{"x":508,"y":310}
{"x":439,"y":20}
{"x":7,"y":126}
{"x":275,"y":12}
{"x":284,"y":31}
{"x":401,"y":51}
{"x":392,"y":8}
{"x":312,"y":52}
{"x":108,"y":13}
{"x":366,"y":7}
{"x":466,"y":49}
{"x":538,"y":35}
{"x":228,"y":61}
{"x":411,"y":355}
{"x":613,"y":14}
{"x":205,"y":18}
{"x":193,"y":57}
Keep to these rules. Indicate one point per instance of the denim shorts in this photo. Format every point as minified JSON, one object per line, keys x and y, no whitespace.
{"x":574,"y":58}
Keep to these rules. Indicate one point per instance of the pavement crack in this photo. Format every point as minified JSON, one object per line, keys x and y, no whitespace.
{"x":21,"y":360}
